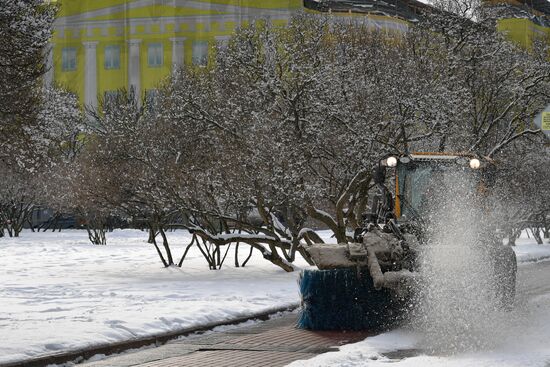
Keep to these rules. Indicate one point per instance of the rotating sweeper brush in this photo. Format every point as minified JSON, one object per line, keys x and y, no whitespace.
{"x":371,"y":283}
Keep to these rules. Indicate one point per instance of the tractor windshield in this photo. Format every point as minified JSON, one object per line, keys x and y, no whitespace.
{"x":421,"y":181}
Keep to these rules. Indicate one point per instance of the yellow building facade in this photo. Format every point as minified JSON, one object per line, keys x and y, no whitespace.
{"x":523,"y":31}
{"x":103,"y":46}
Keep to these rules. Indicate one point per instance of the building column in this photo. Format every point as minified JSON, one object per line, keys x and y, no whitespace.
{"x":49,"y":76}
{"x":90,"y":72}
{"x":178,"y":50}
{"x":134,"y":67}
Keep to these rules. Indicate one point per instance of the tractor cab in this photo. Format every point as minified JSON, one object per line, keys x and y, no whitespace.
{"x":422,"y":177}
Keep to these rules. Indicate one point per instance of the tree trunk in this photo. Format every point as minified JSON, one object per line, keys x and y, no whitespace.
{"x":17,"y":229}
{"x":536,"y":235}
{"x":160,"y":253}
{"x":248,"y":258}
{"x":306,"y":256}
{"x":96,"y":235}
{"x":236,"y":255}
{"x":151,"y":238}
{"x":166,"y":247}
{"x":206,"y":254}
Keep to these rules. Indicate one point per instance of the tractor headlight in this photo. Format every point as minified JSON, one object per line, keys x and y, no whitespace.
{"x":475,"y":163}
{"x":391,"y":162}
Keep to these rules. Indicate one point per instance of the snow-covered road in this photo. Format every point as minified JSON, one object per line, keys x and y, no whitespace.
{"x":519,"y":338}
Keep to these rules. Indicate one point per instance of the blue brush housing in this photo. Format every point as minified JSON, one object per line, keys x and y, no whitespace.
{"x":344,"y":299}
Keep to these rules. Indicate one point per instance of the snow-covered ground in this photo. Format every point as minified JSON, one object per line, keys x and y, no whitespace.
{"x":58,"y":292}
{"x":519,"y":338}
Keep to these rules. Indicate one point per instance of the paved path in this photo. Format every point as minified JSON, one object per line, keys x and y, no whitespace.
{"x":271,"y":343}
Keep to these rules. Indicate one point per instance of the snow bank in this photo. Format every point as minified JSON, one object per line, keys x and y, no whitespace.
{"x":527,"y":250}
{"x":59,"y":292}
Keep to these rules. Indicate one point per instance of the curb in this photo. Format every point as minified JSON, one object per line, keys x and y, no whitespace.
{"x":82,"y":354}
{"x":528,"y":261}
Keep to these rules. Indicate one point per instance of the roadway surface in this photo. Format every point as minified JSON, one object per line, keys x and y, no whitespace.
{"x":277,"y":342}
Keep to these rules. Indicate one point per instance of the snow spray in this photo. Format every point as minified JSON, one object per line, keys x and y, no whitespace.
{"x":456,"y":309}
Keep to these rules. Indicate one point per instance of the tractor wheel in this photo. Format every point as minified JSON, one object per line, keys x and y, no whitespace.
{"x":345,"y":299}
{"x":505,"y":276}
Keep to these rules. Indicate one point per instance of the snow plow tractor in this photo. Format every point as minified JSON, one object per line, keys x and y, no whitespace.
{"x":372,"y":281}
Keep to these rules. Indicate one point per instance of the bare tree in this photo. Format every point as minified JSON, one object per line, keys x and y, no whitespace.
{"x":286,"y":125}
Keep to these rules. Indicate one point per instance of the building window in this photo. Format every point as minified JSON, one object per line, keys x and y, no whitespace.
{"x":200,"y":53}
{"x":112,"y":57}
{"x":68,"y":56}
{"x":154,"y":55}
